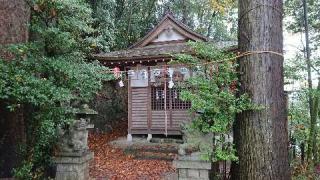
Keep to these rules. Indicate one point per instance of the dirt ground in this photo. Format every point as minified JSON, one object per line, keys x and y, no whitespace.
{"x":111,"y":162}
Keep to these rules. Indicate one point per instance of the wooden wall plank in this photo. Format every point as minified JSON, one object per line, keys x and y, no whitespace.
{"x":178,"y":117}
{"x":139,"y":108}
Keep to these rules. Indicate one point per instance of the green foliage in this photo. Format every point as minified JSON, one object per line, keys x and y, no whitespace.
{"x":299,"y":117}
{"x":294,"y":10}
{"x":61,"y":26}
{"x":49,"y":72}
{"x":132,"y":20}
{"x":52,"y":68}
{"x":294,"y":70}
{"x":104,"y":24}
{"x":299,"y":125}
{"x":304,"y":110}
{"x":118,"y":24}
{"x":214,"y":89}
{"x":222,"y":5}
{"x":214,"y":19}
{"x":121,"y":23}
{"x":25,"y":171}
{"x":42,"y":137}
{"x":304,"y":171}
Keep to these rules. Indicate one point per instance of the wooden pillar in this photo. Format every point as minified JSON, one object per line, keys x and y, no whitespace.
{"x":149,"y":115}
{"x":129,"y":138}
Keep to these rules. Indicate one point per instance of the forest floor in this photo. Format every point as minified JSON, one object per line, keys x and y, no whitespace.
{"x":111,"y":162}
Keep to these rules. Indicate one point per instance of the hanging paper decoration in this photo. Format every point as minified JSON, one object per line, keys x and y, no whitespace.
{"x":117,"y":72}
{"x":144,"y":74}
{"x":197,"y":70}
{"x":152,"y":76}
{"x":156,"y":72}
{"x":171,"y":84}
{"x":121,"y":84}
{"x":184,"y":70}
{"x":157,"y":95}
{"x":131,"y":73}
{"x":170,"y":72}
{"x":140,"y":78}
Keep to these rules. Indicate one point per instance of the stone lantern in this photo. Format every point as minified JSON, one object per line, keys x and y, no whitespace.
{"x":73,"y":157}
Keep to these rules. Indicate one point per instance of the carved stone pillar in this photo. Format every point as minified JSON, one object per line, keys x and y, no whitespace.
{"x":74,"y":156}
{"x":73,"y":167}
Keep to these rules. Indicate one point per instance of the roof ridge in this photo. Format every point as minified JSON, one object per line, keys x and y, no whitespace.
{"x":179,"y":24}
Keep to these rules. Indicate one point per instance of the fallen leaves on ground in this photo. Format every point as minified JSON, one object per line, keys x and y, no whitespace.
{"x":112,"y":163}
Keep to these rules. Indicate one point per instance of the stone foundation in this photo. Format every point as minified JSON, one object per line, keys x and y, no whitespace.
{"x":192,"y":168}
{"x":73,"y":167}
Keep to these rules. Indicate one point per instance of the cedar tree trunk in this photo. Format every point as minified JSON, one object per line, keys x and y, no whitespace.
{"x":14,"y":16}
{"x":312,"y":149}
{"x":261,"y":136}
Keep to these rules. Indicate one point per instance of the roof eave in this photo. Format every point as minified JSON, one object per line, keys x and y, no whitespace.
{"x":150,"y":57}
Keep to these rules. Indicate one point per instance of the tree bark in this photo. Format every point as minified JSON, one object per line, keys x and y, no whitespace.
{"x":302,"y":148}
{"x":261,"y":136}
{"x":313,"y":118}
{"x":210,"y":24}
{"x":313,"y":139}
{"x":14,"y":18}
{"x":184,"y":12}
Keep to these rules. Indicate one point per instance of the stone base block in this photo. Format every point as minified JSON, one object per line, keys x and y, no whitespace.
{"x":129,"y":137}
{"x":192,"y":168}
{"x":149,"y":137}
{"x":73,"y":167}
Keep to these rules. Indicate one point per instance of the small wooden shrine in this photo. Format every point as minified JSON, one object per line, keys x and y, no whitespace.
{"x":154,"y":104}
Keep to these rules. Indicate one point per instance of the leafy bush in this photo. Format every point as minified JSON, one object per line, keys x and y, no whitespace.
{"x":47,"y":73}
{"x":213,"y":93}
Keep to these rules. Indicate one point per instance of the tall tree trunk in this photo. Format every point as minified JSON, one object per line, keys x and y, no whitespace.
{"x":294,"y":152}
{"x":315,"y":110}
{"x":184,"y":12}
{"x":14,"y":18}
{"x":311,"y":140}
{"x":261,"y":136}
{"x":302,"y":149}
{"x":210,"y":24}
